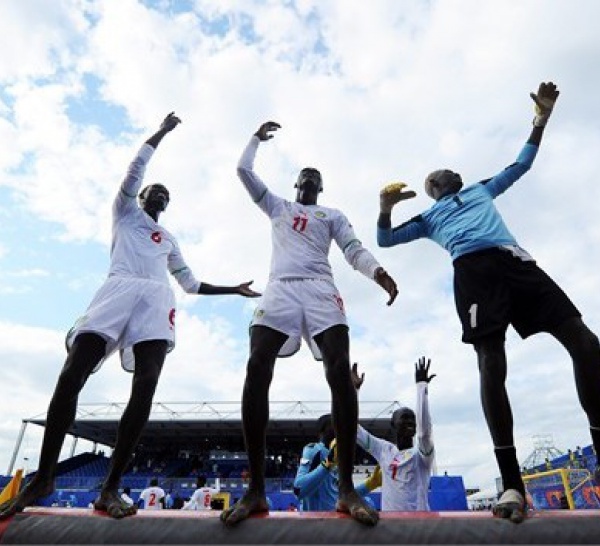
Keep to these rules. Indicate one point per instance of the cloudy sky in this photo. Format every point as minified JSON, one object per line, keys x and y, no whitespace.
{"x":368,"y":92}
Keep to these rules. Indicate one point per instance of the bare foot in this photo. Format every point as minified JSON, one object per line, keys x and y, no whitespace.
{"x":114,"y":506}
{"x":352,"y":503}
{"x":35,"y":489}
{"x":250,"y":503}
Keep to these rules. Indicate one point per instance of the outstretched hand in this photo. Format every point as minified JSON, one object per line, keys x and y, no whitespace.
{"x":387,"y":283}
{"x":357,"y":380}
{"x":422,"y":370}
{"x":170,"y":122}
{"x":245,"y":290}
{"x":265,"y":130}
{"x":392,"y":194}
{"x":544,"y":102}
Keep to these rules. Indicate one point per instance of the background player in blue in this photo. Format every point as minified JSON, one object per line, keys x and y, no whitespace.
{"x":316,"y":483}
{"x":133,"y":309}
{"x":497,"y":283}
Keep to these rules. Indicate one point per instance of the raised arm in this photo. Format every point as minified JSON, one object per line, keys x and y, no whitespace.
{"x":245,"y":168}
{"x":424,"y":427}
{"x":544,"y":100}
{"x":126,"y":198}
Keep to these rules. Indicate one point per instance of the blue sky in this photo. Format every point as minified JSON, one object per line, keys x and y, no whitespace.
{"x":369,"y":92}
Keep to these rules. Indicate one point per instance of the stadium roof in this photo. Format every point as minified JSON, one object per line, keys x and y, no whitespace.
{"x":188,"y":424}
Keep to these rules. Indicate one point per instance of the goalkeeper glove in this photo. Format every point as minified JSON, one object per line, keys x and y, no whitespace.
{"x":331,"y":459}
{"x":544,"y":103}
{"x":374,"y":480}
{"x":392,"y":194}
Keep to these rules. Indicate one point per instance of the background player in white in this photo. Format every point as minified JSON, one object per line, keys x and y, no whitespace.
{"x":153,"y":497}
{"x":301,"y":300}
{"x":202,"y":497}
{"x":405,"y":468}
{"x":134,"y":308}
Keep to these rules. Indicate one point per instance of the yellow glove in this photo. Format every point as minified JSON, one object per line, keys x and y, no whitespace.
{"x":331,"y":459}
{"x":392,"y":194}
{"x":544,"y":102}
{"x":374,"y":480}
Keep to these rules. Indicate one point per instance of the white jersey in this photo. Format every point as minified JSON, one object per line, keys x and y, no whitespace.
{"x":141,"y":248}
{"x":201,"y":499}
{"x":302,"y":234}
{"x":136,"y":302}
{"x":405,"y":473}
{"x":152,"y":497}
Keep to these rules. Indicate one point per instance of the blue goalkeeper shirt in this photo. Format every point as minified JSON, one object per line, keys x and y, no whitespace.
{"x":315,"y":486}
{"x":466,"y":221}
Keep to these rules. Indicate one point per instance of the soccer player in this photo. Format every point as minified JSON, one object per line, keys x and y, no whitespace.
{"x":153,"y":497}
{"x":133,"y":310}
{"x":316,"y":483}
{"x":301,"y":300}
{"x":405,"y":469}
{"x":497,"y":283}
{"x":202,"y":497}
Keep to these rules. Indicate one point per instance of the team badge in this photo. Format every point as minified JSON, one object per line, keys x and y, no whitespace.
{"x":156,"y":237}
{"x":320,"y":214}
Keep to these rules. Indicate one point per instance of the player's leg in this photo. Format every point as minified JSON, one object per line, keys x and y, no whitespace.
{"x":491,"y":357}
{"x":335,"y":348}
{"x":149,"y":360}
{"x":584,"y":348}
{"x":265,"y":343}
{"x":87,"y":351}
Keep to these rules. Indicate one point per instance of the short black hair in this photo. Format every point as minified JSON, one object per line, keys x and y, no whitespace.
{"x":400,"y":411}
{"x":154,"y":482}
{"x":324,"y":422}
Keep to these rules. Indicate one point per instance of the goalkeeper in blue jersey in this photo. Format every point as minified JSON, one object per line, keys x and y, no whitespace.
{"x":497,"y":283}
{"x":316,"y":483}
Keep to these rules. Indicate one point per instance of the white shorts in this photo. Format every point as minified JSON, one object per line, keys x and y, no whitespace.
{"x":300,"y":308}
{"x":126,"y":311}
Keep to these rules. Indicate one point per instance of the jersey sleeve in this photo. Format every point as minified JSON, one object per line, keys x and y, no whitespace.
{"x":371,"y":444}
{"x":356,"y":254}
{"x":504,"y":180}
{"x":125,"y":201}
{"x":192,"y":503}
{"x":182,"y":273}
{"x":260,"y":194}
{"x":308,"y":478}
{"x":413,"y":229}
{"x":424,"y":426}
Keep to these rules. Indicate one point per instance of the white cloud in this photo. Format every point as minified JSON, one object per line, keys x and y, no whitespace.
{"x":368,"y":93}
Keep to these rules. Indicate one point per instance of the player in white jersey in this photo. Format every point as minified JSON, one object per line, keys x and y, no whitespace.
{"x":133,"y":309}
{"x":201,"y":498}
{"x":405,"y":468}
{"x":153,"y":497}
{"x":301,"y":300}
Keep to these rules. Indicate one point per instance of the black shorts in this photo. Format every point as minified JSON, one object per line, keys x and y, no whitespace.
{"x":493,"y":288}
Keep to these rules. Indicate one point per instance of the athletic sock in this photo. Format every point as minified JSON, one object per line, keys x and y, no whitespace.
{"x":509,"y":468}
{"x":595,"y":432}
